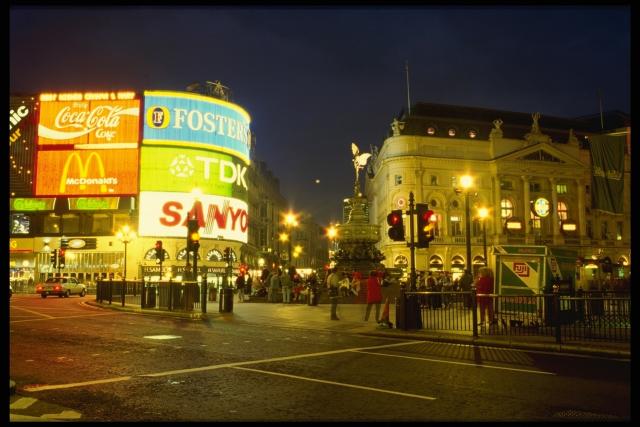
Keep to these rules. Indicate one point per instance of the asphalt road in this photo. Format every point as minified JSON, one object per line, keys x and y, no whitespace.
{"x":73,"y":361}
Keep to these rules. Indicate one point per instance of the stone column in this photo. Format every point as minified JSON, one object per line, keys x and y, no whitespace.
{"x":582,"y":217}
{"x":526,"y":216}
{"x":555,"y":226}
{"x":497,"y":211}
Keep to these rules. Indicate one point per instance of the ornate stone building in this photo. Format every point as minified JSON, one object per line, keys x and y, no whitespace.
{"x":532,"y":172}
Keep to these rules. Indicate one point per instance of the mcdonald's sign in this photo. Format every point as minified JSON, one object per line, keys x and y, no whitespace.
{"x":87,"y":173}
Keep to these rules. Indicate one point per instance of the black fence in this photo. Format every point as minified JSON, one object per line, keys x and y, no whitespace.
{"x":587,"y":316}
{"x":161,"y":295}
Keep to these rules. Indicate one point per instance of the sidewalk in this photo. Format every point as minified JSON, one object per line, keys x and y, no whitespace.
{"x":352,"y":321}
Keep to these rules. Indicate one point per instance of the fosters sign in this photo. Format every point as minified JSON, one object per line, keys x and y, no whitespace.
{"x":89,"y":118}
{"x":87,"y":172}
{"x":187,"y":119}
{"x":166,"y":214}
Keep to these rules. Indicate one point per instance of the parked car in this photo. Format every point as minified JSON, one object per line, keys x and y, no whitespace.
{"x":61,"y":286}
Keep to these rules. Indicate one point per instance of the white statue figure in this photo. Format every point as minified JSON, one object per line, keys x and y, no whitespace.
{"x":396,"y":127}
{"x":359,"y":162}
{"x":497,"y":123}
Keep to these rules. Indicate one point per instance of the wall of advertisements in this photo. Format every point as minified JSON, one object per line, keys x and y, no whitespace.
{"x":88,"y":144}
{"x":164,"y":214}
{"x":183,"y":169}
{"x":22,"y":142}
{"x":87,"y":172}
{"x":188,"y":119}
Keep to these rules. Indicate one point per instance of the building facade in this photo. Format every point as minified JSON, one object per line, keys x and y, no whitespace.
{"x":533,"y":174}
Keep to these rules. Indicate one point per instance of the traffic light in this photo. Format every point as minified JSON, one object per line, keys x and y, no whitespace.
{"x":227,"y":254}
{"x":426,"y":223}
{"x":396,"y":231}
{"x":159,"y":251}
{"x":193,"y":237}
{"x":54,"y":258}
{"x":61,"y":258}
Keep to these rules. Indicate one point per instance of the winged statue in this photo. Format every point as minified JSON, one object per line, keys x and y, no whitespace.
{"x":359,"y":162}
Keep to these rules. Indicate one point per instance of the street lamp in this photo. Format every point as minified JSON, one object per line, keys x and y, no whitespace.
{"x":466,"y":181}
{"x":290,"y":220}
{"x":332,"y":233}
{"x":125,"y":235}
{"x":483,"y":213}
{"x":283,"y":238}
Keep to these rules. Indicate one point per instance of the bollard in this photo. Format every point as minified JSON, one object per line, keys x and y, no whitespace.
{"x":474,"y":307}
{"x":556,"y":312}
{"x":203,"y":297}
{"x":123,"y":290}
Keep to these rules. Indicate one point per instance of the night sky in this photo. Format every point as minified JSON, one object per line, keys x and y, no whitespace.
{"x":314,"y":80}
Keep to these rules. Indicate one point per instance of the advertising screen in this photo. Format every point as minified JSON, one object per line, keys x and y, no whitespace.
{"x":164,"y":214}
{"x":187,"y":119}
{"x":180,"y":170}
{"x":89,"y":122}
{"x":22,"y":140}
{"x":87,"y":172}
{"x":20,"y":224}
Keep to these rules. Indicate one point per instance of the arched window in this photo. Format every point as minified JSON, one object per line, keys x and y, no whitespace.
{"x":435,"y":263}
{"x":214,"y":255}
{"x":400,"y":262}
{"x":506,"y":209}
{"x":457,"y":263}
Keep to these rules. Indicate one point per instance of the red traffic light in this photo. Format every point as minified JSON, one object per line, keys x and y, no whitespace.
{"x":61,"y":252}
{"x":394,"y":218}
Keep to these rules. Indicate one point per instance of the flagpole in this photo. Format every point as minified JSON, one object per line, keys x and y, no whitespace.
{"x":406,"y":66}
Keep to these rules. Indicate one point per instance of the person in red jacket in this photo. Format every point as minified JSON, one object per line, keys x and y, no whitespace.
{"x":484,"y":285}
{"x":374,"y":295}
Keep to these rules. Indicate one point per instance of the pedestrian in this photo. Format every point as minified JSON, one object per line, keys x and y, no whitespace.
{"x":248,"y":285}
{"x":274,"y":285}
{"x":484,"y":287}
{"x":431,"y":287}
{"x":465,"y":286}
{"x":374,"y":296}
{"x":240,"y":284}
{"x":447,"y":288}
{"x":333,"y":283}
{"x":286,"y":284}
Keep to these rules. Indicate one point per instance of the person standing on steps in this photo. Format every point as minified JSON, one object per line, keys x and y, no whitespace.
{"x":333,"y":283}
{"x":374,"y":296}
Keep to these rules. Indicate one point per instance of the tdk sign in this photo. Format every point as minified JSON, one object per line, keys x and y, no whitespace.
{"x":187,"y":119}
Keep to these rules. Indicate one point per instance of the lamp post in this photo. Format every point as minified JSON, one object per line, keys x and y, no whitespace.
{"x":332,"y":233}
{"x":125,"y":235}
{"x":466,"y":182}
{"x":483,"y":213}
{"x":290,"y":221}
{"x":283,"y":238}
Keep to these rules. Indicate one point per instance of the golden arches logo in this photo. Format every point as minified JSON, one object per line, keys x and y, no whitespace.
{"x":83,"y":169}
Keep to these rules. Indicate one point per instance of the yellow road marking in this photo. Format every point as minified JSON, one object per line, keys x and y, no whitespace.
{"x":23,"y":403}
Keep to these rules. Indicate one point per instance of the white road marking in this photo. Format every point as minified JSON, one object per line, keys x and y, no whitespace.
{"x":162,"y":337}
{"x":379,"y":390}
{"x":63,"y":317}
{"x":71,"y":385}
{"x":33,"y":312}
{"x":23,"y":403}
{"x":64,"y":415}
{"x":474,"y":365}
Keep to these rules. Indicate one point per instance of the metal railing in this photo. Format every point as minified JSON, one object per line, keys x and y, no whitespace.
{"x":161,"y":295}
{"x":593,"y":315}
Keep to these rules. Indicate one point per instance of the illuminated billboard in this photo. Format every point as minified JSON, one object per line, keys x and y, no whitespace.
{"x":164,"y":214}
{"x":179,"y":169}
{"x":90,"y":120}
{"x":188,"y":119}
{"x":87,"y":172}
{"x":22,"y":140}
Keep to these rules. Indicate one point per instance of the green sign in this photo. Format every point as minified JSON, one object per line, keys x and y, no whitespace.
{"x":93,"y":203}
{"x":20,"y":204}
{"x":180,"y":170}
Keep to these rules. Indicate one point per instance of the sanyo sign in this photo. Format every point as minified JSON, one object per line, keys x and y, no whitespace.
{"x":188,"y":119}
{"x":165,"y":215}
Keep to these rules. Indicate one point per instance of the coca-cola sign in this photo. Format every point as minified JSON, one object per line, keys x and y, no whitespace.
{"x":90,"y":122}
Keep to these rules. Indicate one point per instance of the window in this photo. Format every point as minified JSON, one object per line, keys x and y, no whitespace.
{"x":589,"y":229}
{"x":604,"y":230}
{"x":476,"y":227}
{"x":534,"y":186}
{"x":456,"y":228}
{"x":587,"y":189}
{"x":101,"y":224}
{"x":619,"y":230}
{"x":433,"y":203}
{"x":431,"y":130}
{"x":434,"y":180}
{"x":451,"y":132}
{"x":562,"y":212}
{"x":398,"y":179}
{"x":506,"y":209}
{"x":455,"y":204}
{"x":506,"y":185}
{"x":535,"y":221}
{"x":561,"y":188}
